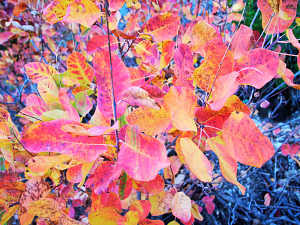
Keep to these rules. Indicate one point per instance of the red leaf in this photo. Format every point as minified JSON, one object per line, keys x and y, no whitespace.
{"x":257,"y":67}
{"x":48,"y":137}
{"x":162,"y":27}
{"x":241,"y":42}
{"x":101,"y":41}
{"x":105,"y":173}
{"x":142,"y":207}
{"x":142,"y":156}
{"x":209,"y":205}
{"x":121,"y":82}
{"x":184,"y":66}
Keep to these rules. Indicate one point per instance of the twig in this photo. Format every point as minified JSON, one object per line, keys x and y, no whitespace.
{"x":111,"y":77}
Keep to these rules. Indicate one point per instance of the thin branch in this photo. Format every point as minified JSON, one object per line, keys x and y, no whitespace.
{"x":111,"y":77}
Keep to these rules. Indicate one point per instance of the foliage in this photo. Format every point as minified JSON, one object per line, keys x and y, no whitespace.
{"x":110,"y":139}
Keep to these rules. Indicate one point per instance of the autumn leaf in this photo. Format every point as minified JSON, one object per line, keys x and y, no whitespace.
{"x":241,"y":42}
{"x":161,"y":203}
{"x":142,"y":207}
{"x":48,"y":137}
{"x":148,"y":51}
{"x":46,"y":208}
{"x":142,"y":156}
{"x":150,"y":121}
{"x":180,"y":104}
{"x":228,"y":164}
{"x":181,"y":206}
{"x":40,"y":71}
{"x":224,"y":87}
{"x":250,"y":148}
{"x":101,"y":41}
{"x":121,"y":82}
{"x":287,"y":75}
{"x":107,"y":216}
{"x":201,"y":33}
{"x":257,"y":67}
{"x":35,"y":189}
{"x":84,"y":12}
{"x":184,"y":66}
{"x":196,"y":160}
{"x":43,"y":163}
{"x":105,"y":173}
{"x":284,"y":14}
{"x":167,"y":53}
{"x":214,"y":51}
{"x":137,"y":96}
{"x":162,"y":27}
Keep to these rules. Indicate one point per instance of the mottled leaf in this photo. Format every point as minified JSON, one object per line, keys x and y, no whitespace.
{"x":142,"y":156}
{"x":257,"y":67}
{"x":181,"y":206}
{"x":48,"y":137}
{"x":121,"y":82}
{"x":162,"y":27}
{"x":245,"y":141}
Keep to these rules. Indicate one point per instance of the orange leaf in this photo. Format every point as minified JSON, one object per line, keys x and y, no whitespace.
{"x":150,"y":121}
{"x":131,"y":218}
{"x":151,"y":222}
{"x":148,"y":51}
{"x":81,"y":71}
{"x":46,"y":208}
{"x":181,"y":206}
{"x":121,"y":82}
{"x":236,"y":104}
{"x":48,"y":137}
{"x":257,"y":67}
{"x":160,"y":203}
{"x":196,"y":160}
{"x":43,"y":163}
{"x":287,"y":75}
{"x":180,"y":104}
{"x":224,"y":87}
{"x":106,"y":200}
{"x":107,"y":216}
{"x":142,"y":207}
{"x":201,"y":33}
{"x":245,"y":141}
{"x":228,"y":163}
{"x":166,"y":53}
{"x":142,"y":156}
{"x":214,"y":52}
{"x":35,"y":189}
{"x":162,"y":27}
